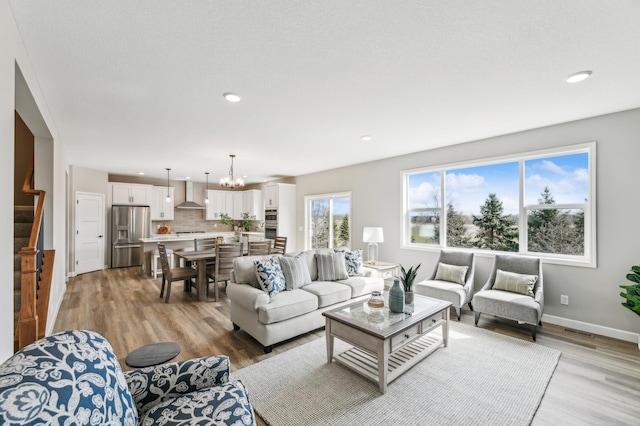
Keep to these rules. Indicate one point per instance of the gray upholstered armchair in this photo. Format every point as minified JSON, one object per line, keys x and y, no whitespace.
{"x":74,"y":377}
{"x":514,"y":290}
{"x":451,"y":280}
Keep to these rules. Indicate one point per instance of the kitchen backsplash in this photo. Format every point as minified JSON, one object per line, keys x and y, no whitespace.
{"x":190,"y":220}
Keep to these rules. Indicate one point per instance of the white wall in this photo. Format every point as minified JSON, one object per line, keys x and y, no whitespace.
{"x":11,"y":53}
{"x":9,"y":37}
{"x":593,"y":293}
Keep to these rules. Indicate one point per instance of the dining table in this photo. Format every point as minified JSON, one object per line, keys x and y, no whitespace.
{"x":200,"y":258}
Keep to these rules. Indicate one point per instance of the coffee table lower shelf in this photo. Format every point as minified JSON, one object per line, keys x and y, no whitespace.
{"x":366,"y":364}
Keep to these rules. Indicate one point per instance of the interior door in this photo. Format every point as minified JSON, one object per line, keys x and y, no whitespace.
{"x":89,"y":238}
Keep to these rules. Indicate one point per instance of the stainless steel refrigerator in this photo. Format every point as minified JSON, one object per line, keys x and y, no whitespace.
{"x":128,"y":225}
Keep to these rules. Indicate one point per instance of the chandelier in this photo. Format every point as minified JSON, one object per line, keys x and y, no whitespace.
{"x":229,"y":181}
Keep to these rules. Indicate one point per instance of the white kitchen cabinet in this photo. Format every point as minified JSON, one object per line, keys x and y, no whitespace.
{"x":234,"y":203}
{"x":130,"y":193}
{"x":238,"y":204}
{"x":161,"y":209}
{"x":217,"y":204}
{"x":271,"y":196}
{"x":252,"y":203}
{"x":282,"y":197}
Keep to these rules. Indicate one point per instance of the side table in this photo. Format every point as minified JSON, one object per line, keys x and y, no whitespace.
{"x":384,"y":270}
{"x":153,"y":354}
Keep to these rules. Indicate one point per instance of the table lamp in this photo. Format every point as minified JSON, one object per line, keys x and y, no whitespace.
{"x":372,"y":235}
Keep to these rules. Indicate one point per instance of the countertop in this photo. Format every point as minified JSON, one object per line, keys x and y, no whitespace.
{"x":190,"y":236}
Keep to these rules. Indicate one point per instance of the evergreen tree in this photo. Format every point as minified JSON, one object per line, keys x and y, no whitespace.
{"x":343,"y":233}
{"x":496,"y":230}
{"x":456,"y":229}
{"x":538,"y":218}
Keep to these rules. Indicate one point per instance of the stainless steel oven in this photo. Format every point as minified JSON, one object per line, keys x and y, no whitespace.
{"x":270,"y":223}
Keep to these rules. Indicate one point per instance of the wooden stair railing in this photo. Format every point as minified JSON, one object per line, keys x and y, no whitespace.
{"x":36,"y":276}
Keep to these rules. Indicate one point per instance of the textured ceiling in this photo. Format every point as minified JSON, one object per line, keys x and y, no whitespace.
{"x":137,"y":86}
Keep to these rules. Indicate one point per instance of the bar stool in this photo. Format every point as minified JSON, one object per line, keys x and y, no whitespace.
{"x":155,"y":256}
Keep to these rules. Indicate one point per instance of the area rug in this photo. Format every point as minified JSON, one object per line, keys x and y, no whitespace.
{"x":481,"y":378}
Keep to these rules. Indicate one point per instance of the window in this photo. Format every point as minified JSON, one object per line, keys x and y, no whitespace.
{"x":541,"y":203}
{"x":327,"y":220}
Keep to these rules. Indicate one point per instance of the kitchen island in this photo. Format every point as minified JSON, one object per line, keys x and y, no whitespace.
{"x":184,"y":240}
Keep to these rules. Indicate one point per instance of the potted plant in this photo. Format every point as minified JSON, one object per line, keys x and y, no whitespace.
{"x":632,"y":296}
{"x":408,"y":276}
{"x":247,"y":221}
{"x":225,"y":219}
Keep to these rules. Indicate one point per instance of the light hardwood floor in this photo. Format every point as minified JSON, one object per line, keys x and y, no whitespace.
{"x":597,"y":381}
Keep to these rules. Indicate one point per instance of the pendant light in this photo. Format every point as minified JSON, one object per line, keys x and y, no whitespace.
{"x":168,"y":196}
{"x":206,"y":200}
{"x":229,"y":181}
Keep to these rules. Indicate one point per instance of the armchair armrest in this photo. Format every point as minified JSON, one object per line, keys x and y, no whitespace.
{"x":150,"y":386}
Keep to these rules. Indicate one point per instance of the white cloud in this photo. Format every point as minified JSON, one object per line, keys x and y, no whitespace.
{"x":552,"y":167}
{"x":463,"y":182}
{"x":424,"y":195}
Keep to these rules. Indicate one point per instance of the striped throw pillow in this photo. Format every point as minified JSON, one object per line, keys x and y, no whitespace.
{"x":296,"y":271}
{"x":515,"y":283}
{"x":452,"y":273}
{"x":331,"y":267}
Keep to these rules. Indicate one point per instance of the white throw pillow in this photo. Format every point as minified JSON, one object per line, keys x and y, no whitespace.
{"x":452,"y":273}
{"x":515,"y":283}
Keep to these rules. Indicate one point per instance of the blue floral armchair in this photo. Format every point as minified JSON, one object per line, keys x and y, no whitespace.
{"x":74,"y":377}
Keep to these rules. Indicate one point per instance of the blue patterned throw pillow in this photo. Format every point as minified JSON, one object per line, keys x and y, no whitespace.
{"x":353,"y":262}
{"x":270,"y":275}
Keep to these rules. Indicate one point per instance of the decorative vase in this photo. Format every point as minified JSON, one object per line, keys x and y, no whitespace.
{"x":376,"y":301}
{"x":396,"y":297}
{"x":408,"y":297}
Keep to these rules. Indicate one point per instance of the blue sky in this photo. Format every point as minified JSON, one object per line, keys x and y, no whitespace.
{"x":468,"y":188}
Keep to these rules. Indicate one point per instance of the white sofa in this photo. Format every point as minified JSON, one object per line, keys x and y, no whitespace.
{"x":290,"y":313}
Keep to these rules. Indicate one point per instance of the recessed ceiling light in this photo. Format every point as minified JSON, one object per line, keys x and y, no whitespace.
{"x":366,"y":137}
{"x":140,"y":173}
{"x":187,"y":177}
{"x":231,"y":97}
{"x":578,"y":76}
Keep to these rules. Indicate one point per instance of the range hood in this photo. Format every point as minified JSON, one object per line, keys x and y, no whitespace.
{"x":189,"y":203}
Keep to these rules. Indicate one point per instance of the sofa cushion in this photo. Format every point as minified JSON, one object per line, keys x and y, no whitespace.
{"x":310,"y":258}
{"x":225,"y":404}
{"x":516,"y":283}
{"x":328,"y":292}
{"x":507,"y":304}
{"x":363,"y":285}
{"x":443,"y":290}
{"x":296,"y":271}
{"x":270,"y":275}
{"x":331,"y":267}
{"x":245,"y":270}
{"x":452,"y":273}
{"x":286,"y":305}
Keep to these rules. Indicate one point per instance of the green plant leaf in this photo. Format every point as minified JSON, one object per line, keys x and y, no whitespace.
{"x":634,"y":278}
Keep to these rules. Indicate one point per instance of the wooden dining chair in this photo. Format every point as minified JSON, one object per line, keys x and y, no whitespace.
{"x":258,"y":248}
{"x":279,"y":245}
{"x":202,"y":244}
{"x":225,"y":255}
{"x":169,"y":274}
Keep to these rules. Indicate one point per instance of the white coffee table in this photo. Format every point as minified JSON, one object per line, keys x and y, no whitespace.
{"x":387,"y":344}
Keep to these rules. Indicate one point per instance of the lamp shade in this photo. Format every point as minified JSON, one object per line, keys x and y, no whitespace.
{"x":372,"y":235}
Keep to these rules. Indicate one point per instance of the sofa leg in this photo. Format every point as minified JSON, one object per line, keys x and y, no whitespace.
{"x":533,"y":332}
{"x":477,"y":314}
{"x":268,"y":349}
{"x":470,"y":306}
{"x":236,"y":327}
{"x":457,"y":312}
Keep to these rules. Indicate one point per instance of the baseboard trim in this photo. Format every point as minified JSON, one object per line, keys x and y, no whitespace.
{"x":592,"y":328}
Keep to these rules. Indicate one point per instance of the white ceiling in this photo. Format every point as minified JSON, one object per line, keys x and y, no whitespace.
{"x":137,"y":86}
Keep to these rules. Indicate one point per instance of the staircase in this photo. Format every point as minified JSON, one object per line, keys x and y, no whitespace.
{"x":22,"y":223}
